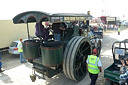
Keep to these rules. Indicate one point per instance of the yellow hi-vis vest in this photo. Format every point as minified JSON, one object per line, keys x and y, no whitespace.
{"x":93,"y":64}
{"x":19,"y":47}
{"x":118,"y":29}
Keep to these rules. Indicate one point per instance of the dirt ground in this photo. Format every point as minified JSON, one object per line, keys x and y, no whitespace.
{"x":18,"y":74}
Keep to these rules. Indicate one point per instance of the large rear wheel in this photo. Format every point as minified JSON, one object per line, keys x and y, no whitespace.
{"x":75,"y":55}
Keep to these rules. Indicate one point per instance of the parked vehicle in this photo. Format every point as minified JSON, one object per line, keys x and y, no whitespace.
{"x":112,"y":72}
{"x":13,"y":47}
{"x":12,"y":32}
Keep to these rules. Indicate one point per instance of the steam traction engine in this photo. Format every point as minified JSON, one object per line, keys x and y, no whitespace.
{"x":68,"y":55}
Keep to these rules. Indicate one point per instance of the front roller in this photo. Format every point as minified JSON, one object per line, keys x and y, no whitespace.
{"x":76,"y":52}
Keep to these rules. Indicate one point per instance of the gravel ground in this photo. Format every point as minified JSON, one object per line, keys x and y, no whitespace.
{"x":18,"y":74}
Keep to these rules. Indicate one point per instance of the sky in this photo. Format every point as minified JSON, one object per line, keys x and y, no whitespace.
{"x":97,"y":8}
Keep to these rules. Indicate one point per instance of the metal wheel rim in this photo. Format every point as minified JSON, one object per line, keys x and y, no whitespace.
{"x":99,"y":48}
{"x":80,"y":63}
{"x":74,"y":65}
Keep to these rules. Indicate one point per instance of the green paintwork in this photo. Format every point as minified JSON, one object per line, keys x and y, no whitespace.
{"x":111,"y":75}
{"x":76,"y":31}
{"x":37,"y":63}
{"x":48,"y":71}
{"x":71,"y":33}
{"x":52,"y":55}
{"x":31,"y":49}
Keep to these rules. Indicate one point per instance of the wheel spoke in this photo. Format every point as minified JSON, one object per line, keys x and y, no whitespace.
{"x":82,"y":46}
{"x":81,"y":70}
{"x":79,"y":52}
{"x":77,"y":72}
{"x":85,"y":49}
{"x":76,"y":66}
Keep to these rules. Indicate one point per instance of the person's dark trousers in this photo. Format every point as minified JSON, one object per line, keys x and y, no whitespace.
{"x":93,"y":78}
{"x":127,"y":81}
{"x":118,"y":33}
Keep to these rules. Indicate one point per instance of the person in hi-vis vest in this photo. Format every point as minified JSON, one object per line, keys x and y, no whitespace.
{"x":119,"y":31}
{"x":20,"y":50}
{"x":93,"y":66}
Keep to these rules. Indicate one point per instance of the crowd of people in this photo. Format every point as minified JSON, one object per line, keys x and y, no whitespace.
{"x":111,"y":27}
{"x":43,"y":31}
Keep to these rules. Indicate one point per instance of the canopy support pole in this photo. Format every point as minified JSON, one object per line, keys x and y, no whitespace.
{"x":28,"y":32}
{"x":40,"y":33}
